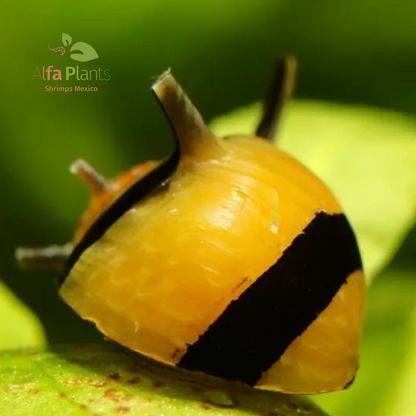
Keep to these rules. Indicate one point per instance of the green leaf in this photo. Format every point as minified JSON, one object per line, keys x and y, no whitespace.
{"x":18,"y":326}
{"x":88,"y":53}
{"x":365,"y":155}
{"x":104,"y":380}
{"x":401,"y":401}
{"x":66,"y":39}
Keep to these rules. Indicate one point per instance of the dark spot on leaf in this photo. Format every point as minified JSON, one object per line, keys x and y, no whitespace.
{"x":134,"y":380}
{"x":114,"y":376}
{"x":61,"y":395}
{"x":116,"y":396}
{"x":158,"y":384}
{"x":123,"y":409}
{"x":98,"y":383}
{"x":206,"y":406}
{"x":73,"y":381}
{"x":197,"y":389}
{"x":111,"y":394}
{"x":83,"y":406}
{"x":33,"y":391}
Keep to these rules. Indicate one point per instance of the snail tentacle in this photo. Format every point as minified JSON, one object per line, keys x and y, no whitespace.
{"x":51,"y":257}
{"x":280,"y":92}
{"x":95,"y":182}
{"x":191,"y":131}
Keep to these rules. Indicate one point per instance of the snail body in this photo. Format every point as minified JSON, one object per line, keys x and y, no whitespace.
{"x":229,"y":258}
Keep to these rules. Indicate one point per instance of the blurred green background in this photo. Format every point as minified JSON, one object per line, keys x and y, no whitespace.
{"x":357,"y":53}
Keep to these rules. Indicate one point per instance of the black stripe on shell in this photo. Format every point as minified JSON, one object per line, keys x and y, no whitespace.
{"x":144,"y":187}
{"x":256,"y":329}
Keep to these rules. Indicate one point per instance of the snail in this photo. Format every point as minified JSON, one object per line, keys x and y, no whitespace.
{"x":228,"y":258}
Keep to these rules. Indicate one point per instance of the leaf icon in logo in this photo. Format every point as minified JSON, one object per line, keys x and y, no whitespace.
{"x":88,"y":53}
{"x":66,"y":39}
